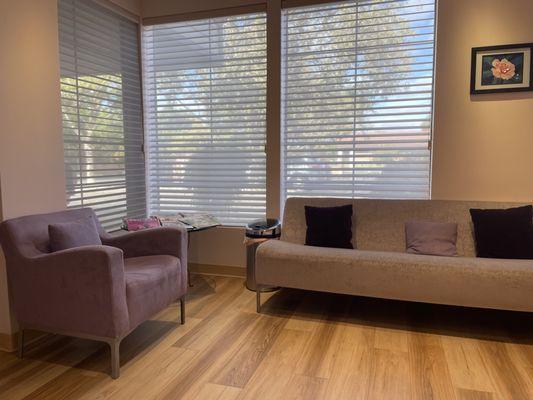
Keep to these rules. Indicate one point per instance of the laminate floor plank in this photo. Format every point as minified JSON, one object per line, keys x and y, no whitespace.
{"x":389,"y":375}
{"x":212,"y":391}
{"x":466,"y":394}
{"x":238,"y":371}
{"x":273,"y":376}
{"x":197,"y":370}
{"x":503,"y":371}
{"x":353,"y":365}
{"x":430,"y":377}
{"x":467,"y":367}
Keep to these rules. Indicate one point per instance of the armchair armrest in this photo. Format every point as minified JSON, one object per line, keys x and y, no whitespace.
{"x":149,"y":242}
{"x":76,"y":290}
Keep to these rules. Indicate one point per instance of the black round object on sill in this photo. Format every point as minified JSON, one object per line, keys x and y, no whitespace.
{"x":264,"y":229}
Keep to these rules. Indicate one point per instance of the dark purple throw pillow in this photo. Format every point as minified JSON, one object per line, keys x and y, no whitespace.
{"x":329,"y":226}
{"x":66,"y":235}
{"x":504,"y":233}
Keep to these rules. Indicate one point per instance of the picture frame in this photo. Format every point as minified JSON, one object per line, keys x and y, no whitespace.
{"x":502,"y":69}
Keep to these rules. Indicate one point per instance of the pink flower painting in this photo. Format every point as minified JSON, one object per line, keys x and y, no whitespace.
{"x":503,"y":69}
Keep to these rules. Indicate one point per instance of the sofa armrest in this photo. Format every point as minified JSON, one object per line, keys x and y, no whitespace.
{"x":150,"y":242}
{"x":80,"y":290}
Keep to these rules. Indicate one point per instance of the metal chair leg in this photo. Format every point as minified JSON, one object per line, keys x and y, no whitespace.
{"x":182,"y":310}
{"x":21,"y":343}
{"x":115,"y":358}
{"x":258,"y":299}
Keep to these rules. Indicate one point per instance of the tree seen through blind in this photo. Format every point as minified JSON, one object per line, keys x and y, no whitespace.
{"x":206,"y":95}
{"x":357,"y":96}
{"x":101,"y":111}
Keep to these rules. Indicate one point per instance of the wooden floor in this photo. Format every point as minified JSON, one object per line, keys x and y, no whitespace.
{"x":304,"y":346}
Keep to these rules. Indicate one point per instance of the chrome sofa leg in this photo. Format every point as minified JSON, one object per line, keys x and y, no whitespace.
{"x":21,"y":343}
{"x":114,"y":345}
{"x":182,"y":310}
{"x":258,"y":299}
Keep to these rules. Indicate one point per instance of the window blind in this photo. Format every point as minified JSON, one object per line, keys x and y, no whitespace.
{"x":205,"y":102}
{"x":102,"y":113}
{"x":357,"y":98}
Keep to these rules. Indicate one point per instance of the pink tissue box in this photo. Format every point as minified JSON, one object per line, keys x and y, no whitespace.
{"x":131,"y":224}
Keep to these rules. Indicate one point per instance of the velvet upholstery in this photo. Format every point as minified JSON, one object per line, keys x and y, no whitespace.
{"x":150,"y":242}
{"x":91,"y":290}
{"x":380,"y":267}
{"x":67,"y":235}
{"x":151,"y":284}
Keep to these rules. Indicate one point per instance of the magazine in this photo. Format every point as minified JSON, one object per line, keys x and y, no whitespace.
{"x":189,"y":221}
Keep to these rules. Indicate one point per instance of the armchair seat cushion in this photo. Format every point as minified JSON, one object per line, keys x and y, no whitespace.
{"x":152,"y":282}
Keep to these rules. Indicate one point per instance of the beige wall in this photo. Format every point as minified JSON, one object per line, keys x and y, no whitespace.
{"x":219,"y":246}
{"x":133,"y":6}
{"x":159,"y":8}
{"x":483,"y":144}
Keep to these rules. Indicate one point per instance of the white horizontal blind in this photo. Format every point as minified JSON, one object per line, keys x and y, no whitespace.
{"x":357,"y":99}
{"x":205,"y":102}
{"x":102,"y":112}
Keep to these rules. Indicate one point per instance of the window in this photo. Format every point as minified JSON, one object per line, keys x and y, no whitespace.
{"x":102,"y":113}
{"x":205,"y":107}
{"x":357,"y":98}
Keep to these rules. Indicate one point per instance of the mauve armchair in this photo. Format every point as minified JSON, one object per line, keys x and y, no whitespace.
{"x":93,"y":292}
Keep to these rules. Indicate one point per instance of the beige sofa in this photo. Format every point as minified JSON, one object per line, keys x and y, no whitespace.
{"x":380,"y":267}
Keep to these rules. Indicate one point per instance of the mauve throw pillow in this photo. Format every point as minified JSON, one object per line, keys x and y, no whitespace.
{"x":66,"y":235}
{"x":329,"y":226}
{"x":506,"y":233}
{"x":431,"y":238}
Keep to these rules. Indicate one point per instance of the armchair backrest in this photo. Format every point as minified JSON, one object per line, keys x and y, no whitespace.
{"x":28,"y":236}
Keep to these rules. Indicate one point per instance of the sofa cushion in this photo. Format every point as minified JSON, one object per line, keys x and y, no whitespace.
{"x":152,"y":283}
{"x":504,"y":233}
{"x":431,"y":238}
{"x":329,"y":226}
{"x":67,"y":235}
{"x":464,"y":281}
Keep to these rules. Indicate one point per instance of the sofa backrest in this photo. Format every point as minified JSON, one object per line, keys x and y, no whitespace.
{"x":380,"y":224}
{"x":28,"y":236}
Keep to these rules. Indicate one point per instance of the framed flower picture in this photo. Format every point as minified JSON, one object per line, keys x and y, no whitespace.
{"x":499,"y":69}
